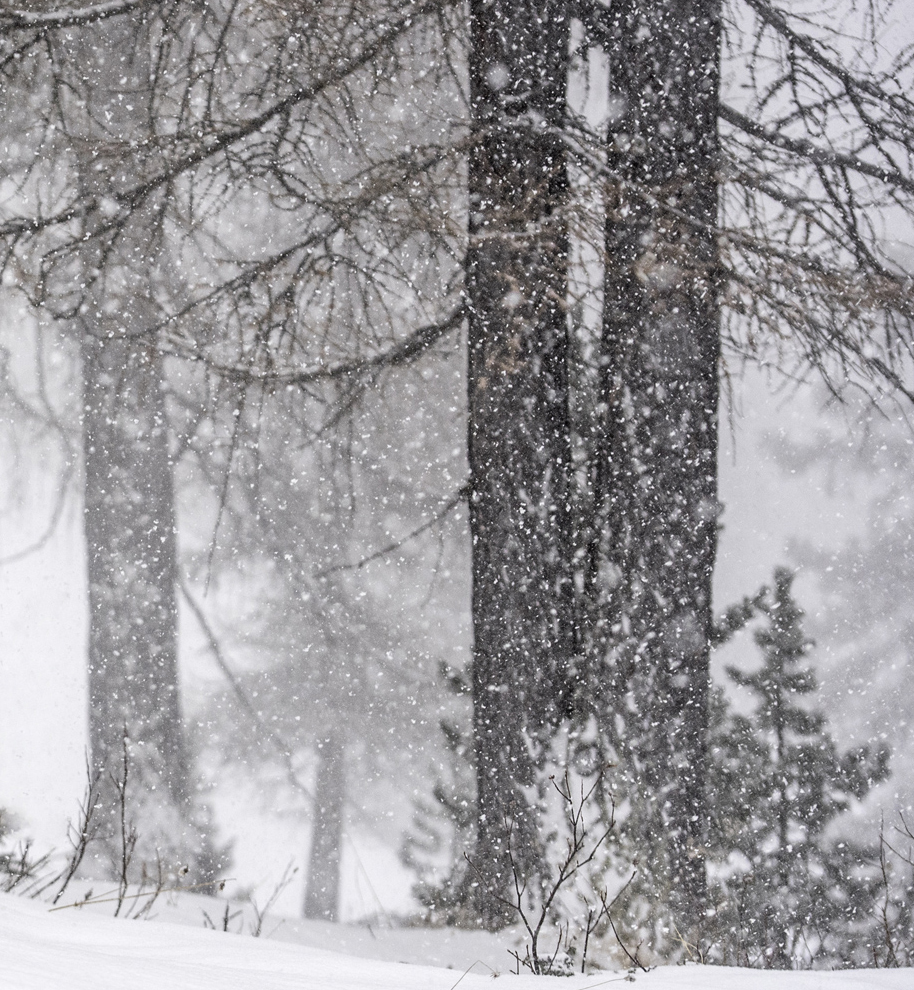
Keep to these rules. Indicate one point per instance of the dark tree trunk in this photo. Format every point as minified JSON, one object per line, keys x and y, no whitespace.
{"x":656,"y":476}
{"x":323,"y":892}
{"x":519,"y":446}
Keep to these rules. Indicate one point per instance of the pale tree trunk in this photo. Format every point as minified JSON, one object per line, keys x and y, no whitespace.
{"x":519,"y":446}
{"x":129,"y":506}
{"x":132,"y":556}
{"x":323,"y":887}
{"x":656,"y":476}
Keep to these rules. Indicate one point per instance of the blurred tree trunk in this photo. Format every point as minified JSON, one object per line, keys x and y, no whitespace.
{"x":132,"y":559}
{"x":519,"y":445}
{"x":323,"y":891}
{"x":650,"y":568}
{"x":129,"y":503}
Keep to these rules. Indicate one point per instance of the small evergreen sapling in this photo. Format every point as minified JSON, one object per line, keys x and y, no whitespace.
{"x":442,"y":829}
{"x":789,"y":892}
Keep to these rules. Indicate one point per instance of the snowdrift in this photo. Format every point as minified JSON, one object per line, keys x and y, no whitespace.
{"x":77,"y":950}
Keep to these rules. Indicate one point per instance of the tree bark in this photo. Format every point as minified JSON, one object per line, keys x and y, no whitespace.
{"x":323,"y":892}
{"x":129,"y":503}
{"x":132,"y":560}
{"x":519,"y":446}
{"x":656,"y":476}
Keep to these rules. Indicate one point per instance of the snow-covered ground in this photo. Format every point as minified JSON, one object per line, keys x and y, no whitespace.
{"x":78,"y":949}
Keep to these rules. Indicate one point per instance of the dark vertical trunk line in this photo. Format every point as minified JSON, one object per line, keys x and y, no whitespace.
{"x":323,"y":891}
{"x":780,"y":732}
{"x":519,"y":435}
{"x":660,"y":352}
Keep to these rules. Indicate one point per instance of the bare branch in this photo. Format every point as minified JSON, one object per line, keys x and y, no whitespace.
{"x":816,"y":154}
{"x":399,"y":354}
{"x":12,"y":19}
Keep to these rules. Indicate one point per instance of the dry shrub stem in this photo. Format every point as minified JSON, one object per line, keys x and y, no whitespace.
{"x":579,"y":852}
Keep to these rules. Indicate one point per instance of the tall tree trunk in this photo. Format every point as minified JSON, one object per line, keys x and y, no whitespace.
{"x":519,"y":446}
{"x":657,"y":471}
{"x":323,"y":891}
{"x":129,"y":498}
{"x":132,"y":559}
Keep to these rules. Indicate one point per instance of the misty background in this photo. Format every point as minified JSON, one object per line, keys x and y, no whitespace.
{"x":820,"y":486}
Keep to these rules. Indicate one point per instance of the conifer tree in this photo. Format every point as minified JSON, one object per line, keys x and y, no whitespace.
{"x":442,"y":829}
{"x":778,"y":782}
{"x":517,"y":417}
{"x":655,"y":481}
{"x":721,"y":219}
